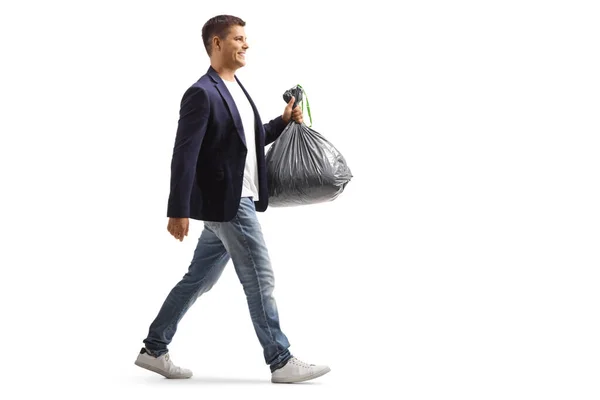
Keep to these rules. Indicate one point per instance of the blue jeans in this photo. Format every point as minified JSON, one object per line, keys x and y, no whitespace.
{"x":240,"y":240}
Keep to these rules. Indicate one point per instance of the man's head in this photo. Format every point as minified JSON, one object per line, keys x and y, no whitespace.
{"x":224,"y":38}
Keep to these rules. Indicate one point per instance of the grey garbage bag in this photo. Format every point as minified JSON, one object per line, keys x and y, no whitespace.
{"x":302,"y":166}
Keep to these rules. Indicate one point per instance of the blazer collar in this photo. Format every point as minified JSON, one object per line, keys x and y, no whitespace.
{"x":214,"y":75}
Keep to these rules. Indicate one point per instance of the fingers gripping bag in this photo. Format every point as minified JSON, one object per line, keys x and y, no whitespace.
{"x":302,"y":166}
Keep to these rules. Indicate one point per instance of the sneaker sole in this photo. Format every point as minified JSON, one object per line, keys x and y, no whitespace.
{"x":159,"y":371}
{"x":301,"y":379}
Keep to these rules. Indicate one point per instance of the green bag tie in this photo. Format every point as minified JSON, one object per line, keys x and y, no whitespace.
{"x":307,"y":104}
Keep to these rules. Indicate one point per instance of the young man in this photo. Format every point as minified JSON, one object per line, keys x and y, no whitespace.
{"x":218,"y":175}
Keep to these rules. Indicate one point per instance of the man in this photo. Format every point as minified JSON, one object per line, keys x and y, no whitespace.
{"x":218,"y":175}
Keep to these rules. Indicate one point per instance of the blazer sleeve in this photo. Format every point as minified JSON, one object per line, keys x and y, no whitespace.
{"x":273,"y":129}
{"x":193,"y":119}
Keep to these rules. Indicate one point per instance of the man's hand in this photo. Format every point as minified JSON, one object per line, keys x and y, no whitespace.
{"x":178,"y":227}
{"x":295,"y":114}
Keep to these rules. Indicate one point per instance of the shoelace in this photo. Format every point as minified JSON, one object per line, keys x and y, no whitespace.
{"x":301,"y":363}
{"x":172,"y":367}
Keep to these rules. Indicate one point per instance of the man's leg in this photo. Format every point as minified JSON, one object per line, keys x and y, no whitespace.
{"x":210,"y":258}
{"x":244,"y":241}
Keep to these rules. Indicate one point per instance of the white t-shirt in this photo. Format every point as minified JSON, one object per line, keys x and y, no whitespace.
{"x":250,"y":185}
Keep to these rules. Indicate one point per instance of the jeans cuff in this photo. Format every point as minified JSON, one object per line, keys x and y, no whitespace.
{"x":155,"y":352}
{"x":281,"y":363}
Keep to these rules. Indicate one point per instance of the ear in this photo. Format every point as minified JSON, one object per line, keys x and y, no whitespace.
{"x":216,"y":43}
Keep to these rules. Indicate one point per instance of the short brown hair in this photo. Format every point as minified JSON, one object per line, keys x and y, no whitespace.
{"x":218,"y":26}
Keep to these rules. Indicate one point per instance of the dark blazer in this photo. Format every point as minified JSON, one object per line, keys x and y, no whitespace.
{"x":209,"y":154}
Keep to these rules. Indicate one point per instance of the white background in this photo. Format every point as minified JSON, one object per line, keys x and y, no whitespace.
{"x":461,"y":262}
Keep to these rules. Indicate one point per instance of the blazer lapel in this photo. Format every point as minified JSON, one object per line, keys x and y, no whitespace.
{"x":257,"y":121}
{"x":235,"y":115}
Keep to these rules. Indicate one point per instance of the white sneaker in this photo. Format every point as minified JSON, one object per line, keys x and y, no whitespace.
{"x":161,"y":365}
{"x":298,"y":371}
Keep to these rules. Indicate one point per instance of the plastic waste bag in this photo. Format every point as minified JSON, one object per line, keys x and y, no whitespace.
{"x":302,"y":166}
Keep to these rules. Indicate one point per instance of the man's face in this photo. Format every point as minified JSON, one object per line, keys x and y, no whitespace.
{"x":233,"y":48}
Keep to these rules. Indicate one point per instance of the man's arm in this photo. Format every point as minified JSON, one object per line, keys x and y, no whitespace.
{"x":274,"y":129}
{"x":193,"y":120}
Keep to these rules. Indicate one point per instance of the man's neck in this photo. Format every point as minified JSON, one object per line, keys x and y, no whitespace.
{"x":225,"y":73}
